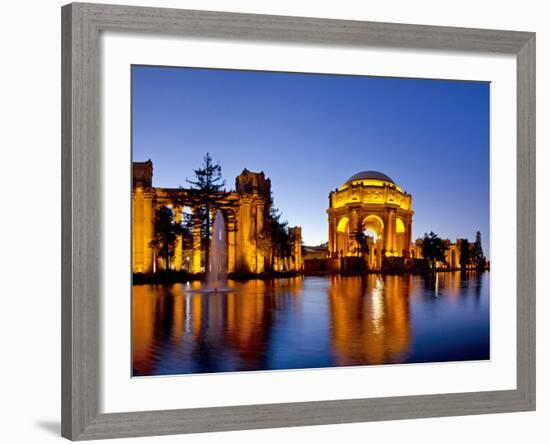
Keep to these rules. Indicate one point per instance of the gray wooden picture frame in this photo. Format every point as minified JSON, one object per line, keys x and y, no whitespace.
{"x":81,"y":230}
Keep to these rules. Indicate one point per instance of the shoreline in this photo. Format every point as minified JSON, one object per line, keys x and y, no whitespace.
{"x":182,"y":277}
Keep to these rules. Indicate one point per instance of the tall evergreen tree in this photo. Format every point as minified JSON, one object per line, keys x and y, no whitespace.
{"x":279,"y":235}
{"x":465,"y":254}
{"x":433,"y":249}
{"x":208,"y":182}
{"x":478,"y":257}
{"x":165,"y":234}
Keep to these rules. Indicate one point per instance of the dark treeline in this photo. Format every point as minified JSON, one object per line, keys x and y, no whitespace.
{"x":471,"y":254}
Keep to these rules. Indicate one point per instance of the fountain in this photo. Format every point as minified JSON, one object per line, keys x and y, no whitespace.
{"x":216,"y":275}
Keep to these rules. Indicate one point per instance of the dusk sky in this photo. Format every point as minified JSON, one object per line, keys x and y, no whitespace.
{"x":310,"y":132}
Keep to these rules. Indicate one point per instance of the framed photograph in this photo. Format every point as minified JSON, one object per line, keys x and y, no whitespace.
{"x":281,"y":221}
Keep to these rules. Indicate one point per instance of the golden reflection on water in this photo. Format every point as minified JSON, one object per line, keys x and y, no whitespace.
{"x":373,"y":329}
{"x":288,"y":323}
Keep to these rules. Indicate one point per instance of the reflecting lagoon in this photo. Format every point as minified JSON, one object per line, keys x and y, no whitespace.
{"x":310,"y":322}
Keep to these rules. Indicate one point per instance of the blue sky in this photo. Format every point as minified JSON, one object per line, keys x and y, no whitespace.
{"x":310,"y":132}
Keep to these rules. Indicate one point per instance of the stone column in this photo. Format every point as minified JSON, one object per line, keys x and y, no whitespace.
{"x":137,"y":231}
{"x":295,"y":262}
{"x":393,"y":240}
{"x":408,"y":238}
{"x":252,"y":240}
{"x":178,"y":252}
{"x":231,"y":242}
{"x":353,"y":222}
{"x":387,"y":231}
{"x":196,"y":244}
{"x":331,"y":240}
{"x":244,"y":247}
{"x":298,"y":248}
{"x":239,"y":250}
{"x":259,"y":233}
{"x":148,"y":255}
{"x":335,"y":236}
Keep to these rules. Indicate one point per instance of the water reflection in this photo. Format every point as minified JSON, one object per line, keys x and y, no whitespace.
{"x":310,"y":322}
{"x":370,"y":319}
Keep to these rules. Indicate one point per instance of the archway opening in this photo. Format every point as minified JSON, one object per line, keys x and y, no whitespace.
{"x":399,"y":225}
{"x":342,"y":237}
{"x":342,"y":226}
{"x":400,"y":246}
{"x":369,"y":232}
{"x":373,"y":228}
{"x":373,"y":225}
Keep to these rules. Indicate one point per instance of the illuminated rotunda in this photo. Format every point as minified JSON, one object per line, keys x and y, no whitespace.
{"x":371,"y":202}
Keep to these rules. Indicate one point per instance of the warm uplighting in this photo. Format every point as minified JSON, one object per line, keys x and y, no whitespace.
{"x":245,"y":217}
{"x":369,"y":183}
{"x":343,"y":225}
{"x":371,"y":201}
{"x":399,"y":225}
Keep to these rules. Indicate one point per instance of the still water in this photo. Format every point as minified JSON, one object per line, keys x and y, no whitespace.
{"x":308,"y":322}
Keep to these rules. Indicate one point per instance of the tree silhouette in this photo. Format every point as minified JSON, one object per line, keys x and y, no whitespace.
{"x":278,"y":232}
{"x":465,"y":254}
{"x":207,"y":185}
{"x":187,"y":231}
{"x":165,"y":234}
{"x":478,"y":257}
{"x":362,"y":239}
{"x":433,"y":249}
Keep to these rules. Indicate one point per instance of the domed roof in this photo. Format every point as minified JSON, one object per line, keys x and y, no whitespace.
{"x":370,"y":175}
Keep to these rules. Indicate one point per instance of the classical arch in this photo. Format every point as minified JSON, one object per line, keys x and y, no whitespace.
{"x":343,"y":224}
{"x":399,"y":225}
{"x":375,"y":223}
{"x":341,"y":239}
{"x":373,"y":226}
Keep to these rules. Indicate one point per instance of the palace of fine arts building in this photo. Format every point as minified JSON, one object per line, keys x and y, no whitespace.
{"x":370,"y":223}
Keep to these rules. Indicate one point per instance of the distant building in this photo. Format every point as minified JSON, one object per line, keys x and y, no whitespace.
{"x":315,"y":259}
{"x":318,"y":252}
{"x":452,"y":254}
